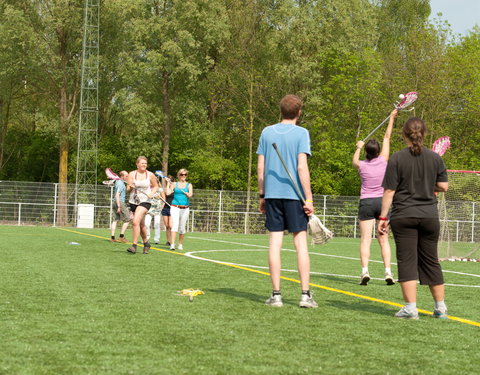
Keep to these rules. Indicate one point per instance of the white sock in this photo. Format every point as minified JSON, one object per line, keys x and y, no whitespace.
{"x":411,"y":306}
{"x":440,"y":305}
{"x":388,"y":270}
{"x":364,"y":270}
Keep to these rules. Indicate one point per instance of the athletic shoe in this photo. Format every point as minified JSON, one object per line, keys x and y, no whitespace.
{"x":364,"y":279}
{"x":274,"y":300}
{"x":403,"y":313}
{"x":180,"y":246}
{"x":146,"y":248}
{"x":132,"y":250}
{"x":307,"y":301}
{"x":440,"y":314}
{"x":167,"y":243}
{"x":172,"y":247}
{"x":122,"y":239}
{"x":389,"y":279}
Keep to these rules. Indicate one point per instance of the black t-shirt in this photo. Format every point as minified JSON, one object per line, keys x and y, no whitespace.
{"x":414,"y":178}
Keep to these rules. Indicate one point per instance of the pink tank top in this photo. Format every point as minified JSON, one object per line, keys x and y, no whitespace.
{"x":372,"y":173}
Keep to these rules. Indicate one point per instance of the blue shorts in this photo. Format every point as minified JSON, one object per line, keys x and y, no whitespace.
{"x":285,"y":214}
{"x":166,"y":210}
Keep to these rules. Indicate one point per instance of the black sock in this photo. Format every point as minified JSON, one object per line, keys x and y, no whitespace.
{"x":113,"y":237}
{"x":146,"y":244}
{"x":276,"y":293}
{"x":134,"y":246}
{"x":122,"y":235}
{"x":307,"y":292}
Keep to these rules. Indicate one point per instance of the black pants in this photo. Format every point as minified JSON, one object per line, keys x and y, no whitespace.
{"x":416,"y":240}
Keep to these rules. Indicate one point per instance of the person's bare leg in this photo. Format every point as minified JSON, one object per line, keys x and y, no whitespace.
{"x":113,"y":227}
{"x":438,"y":292}
{"x":409,"y":291}
{"x":303,"y":259}
{"x":366,"y":227}
{"x":274,"y":259}
{"x":124,"y":228}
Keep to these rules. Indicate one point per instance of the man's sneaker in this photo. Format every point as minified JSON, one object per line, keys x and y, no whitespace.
{"x":440,"y":314}
{"x":180,"y":246}
{"x":403,"y":313}
{"x":389,"y":278}
{"x":274,"y":300}
{"x":172,"y":247}
{"x":364,"y":279}
{"x":307,"y":301}
{"x":122,"y":239}
{"x":132,"y":250}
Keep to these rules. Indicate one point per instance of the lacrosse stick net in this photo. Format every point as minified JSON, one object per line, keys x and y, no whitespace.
{"x":319,"y":232}
{"x":441,"y":145}
{"x":409,"y":98}
{"x":111,"y":175}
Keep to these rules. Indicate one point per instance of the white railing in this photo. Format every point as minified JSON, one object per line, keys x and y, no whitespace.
{"x":29,"y":203}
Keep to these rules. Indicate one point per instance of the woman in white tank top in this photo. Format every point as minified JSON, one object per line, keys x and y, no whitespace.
{"x":142,"y":186}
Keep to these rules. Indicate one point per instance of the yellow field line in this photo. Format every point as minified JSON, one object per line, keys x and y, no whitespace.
{"x":368,"y":298}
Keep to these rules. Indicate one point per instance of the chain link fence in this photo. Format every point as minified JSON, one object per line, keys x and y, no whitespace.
{"x":51,"y":204}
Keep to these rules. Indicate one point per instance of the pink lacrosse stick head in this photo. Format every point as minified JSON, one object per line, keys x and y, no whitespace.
{"x":441,"y":145}
{"x":111,"y":175}
{"x":409,"y":98}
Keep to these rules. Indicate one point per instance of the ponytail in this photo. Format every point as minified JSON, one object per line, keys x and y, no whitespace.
{"x":414,"y":130}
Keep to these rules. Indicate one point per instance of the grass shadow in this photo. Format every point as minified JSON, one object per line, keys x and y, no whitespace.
{"x":363,"y":307}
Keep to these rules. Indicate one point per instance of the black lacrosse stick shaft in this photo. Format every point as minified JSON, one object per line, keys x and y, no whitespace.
{"x":295,"y":186}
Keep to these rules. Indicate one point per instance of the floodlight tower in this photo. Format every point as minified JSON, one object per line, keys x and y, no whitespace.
{"x":86,"y":174}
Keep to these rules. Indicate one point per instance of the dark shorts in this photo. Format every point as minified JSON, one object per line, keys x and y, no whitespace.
{"x":285,"y":214}
{"x":133,"y":207}
{"x":416,"y":241}
{"x":124,"y":214}
{"x":166,"y":210}
{"x":369,"y":208}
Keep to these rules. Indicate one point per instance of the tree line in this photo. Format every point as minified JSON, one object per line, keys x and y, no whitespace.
{"x":192,"y":83}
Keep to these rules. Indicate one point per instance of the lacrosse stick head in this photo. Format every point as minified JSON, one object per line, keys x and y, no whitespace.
{"x":319,"y":232}
{"x":111,"y":175}
{"x":408,"y":99}
{"x":159,"y":174}
{"x":441,"y":145}
{"x":108,"y":182}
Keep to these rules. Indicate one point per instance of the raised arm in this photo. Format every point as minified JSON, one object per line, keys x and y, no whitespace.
{"x":385,"y":152}
{"x":356,"y":155}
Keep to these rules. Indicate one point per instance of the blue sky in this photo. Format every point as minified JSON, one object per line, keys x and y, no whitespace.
{"x":461,"y":14}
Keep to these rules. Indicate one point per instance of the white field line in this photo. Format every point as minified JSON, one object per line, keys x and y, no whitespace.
{"x":190,"y":254}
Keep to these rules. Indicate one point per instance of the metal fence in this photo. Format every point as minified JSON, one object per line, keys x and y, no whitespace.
{"x":32,"y":203}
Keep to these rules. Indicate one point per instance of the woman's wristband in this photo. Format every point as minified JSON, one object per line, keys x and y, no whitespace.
{"x":383,"y":218}
{"x":262,"y":196}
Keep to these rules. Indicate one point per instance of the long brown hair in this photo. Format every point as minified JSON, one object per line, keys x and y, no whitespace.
{"x":414,"y":130}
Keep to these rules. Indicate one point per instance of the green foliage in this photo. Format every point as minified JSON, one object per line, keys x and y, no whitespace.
{"x":192,"y":83}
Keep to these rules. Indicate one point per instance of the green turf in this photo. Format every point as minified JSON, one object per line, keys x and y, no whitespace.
{"x":94,"y":309}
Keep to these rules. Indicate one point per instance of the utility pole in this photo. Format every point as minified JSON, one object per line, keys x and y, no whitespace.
{"x":86,"y":174}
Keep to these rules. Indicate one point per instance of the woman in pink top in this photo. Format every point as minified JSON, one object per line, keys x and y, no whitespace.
{"x":372,"y":171}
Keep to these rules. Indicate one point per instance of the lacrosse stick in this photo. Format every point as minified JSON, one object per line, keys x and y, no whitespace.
{"x":441,"y":145}
{"x":407,"y":100}
{"x":111,"y":175}
{"x":319,"y":232}
{"x":143,"y":192}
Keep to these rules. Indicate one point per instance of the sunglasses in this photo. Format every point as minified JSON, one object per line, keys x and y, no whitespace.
{"x":183,"y":174}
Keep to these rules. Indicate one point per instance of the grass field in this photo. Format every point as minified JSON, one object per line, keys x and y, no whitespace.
{"x":94,"y":309}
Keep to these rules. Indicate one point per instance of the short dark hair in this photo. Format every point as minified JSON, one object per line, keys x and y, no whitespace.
{"x":290,"y":106}
{"x":372,"y":149}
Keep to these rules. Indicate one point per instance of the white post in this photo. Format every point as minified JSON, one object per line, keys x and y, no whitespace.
{"x":355,"y":228}
{"x":246,"y":222}
{"x":19,"y":213}
{"x":55,"y":206}
{"x":324,"y":208}
{"x":111,"y":205}
{"x":473,"y":222}
{"x":457,"y":232}
{"x":219,"y":227}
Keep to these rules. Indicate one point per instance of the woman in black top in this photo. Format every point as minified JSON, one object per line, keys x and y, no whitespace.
{"x":412,"y":177}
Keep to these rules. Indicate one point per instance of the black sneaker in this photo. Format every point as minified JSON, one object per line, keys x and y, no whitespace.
{"x":146,"y":248}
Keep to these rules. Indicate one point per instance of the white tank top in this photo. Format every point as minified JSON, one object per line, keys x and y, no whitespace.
{"x":142,"y":188}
